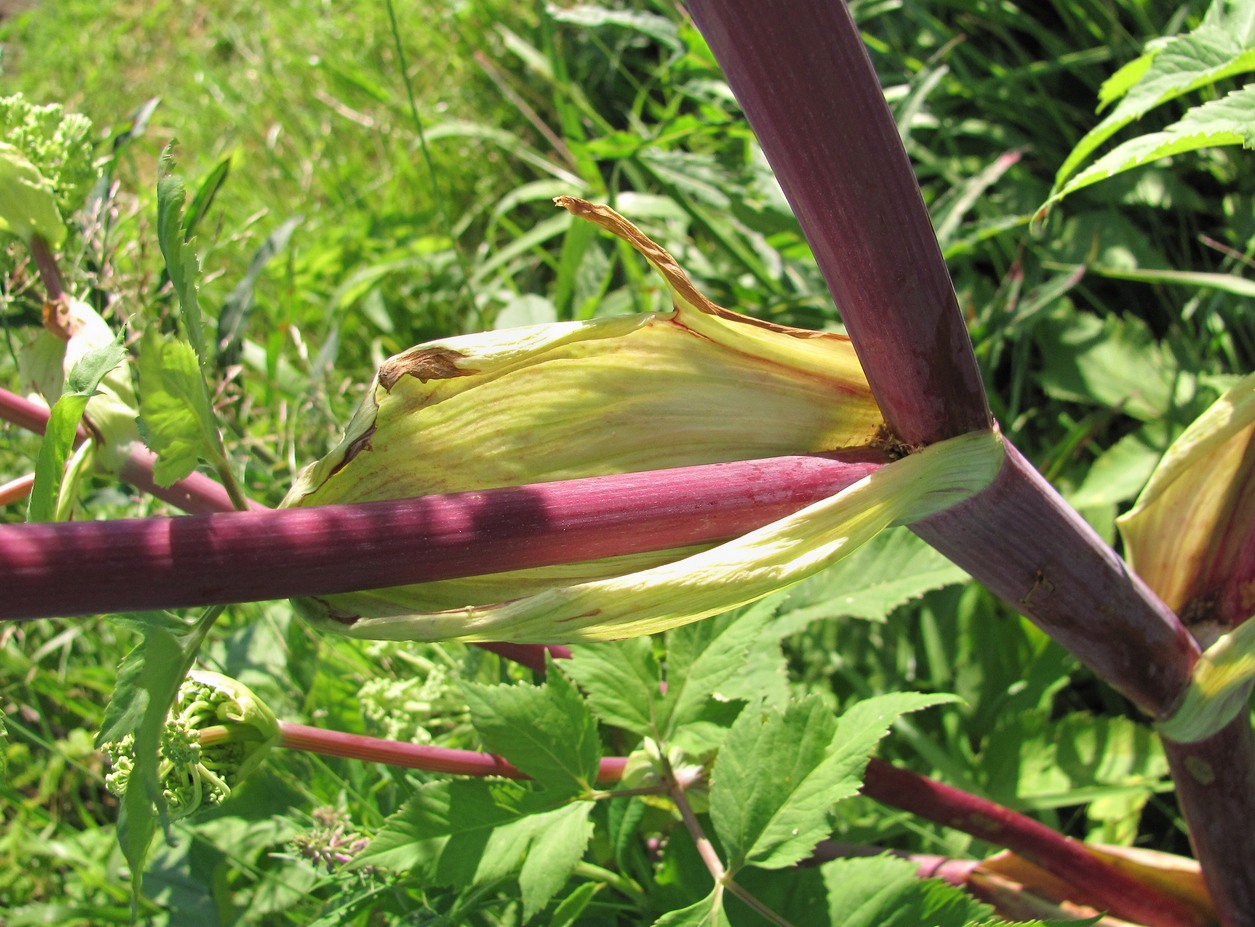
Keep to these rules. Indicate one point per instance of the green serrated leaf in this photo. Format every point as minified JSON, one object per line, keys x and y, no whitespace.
{"x":708,"y":912}
{"x":777,"y":774}
{"x":890,"y":570}
{"x":622,"y":681}
{"x":702,"y":659}
{"x":148,"y":679}
{"x":1218,"y":123}
{"x":1175,"y":66}
{"x":177,"y":421}
{"x":887,"y":892}
{"x":767,"y":778}
{"x":546,"y":731}
{"x":472,"y":832}
{"x":553,"y":855}
{"x":180,"y":256}
{"x":461,"y":813}
{"x":81,"y":383}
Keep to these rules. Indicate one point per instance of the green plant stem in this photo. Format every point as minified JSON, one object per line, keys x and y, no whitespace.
{"x":619,"y":883}
{"x":239,"y":501}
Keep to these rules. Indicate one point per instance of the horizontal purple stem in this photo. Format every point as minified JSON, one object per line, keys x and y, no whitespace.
{"x":85,"y":568}
{"x":196,"y":493}
{"x":415,"y":756}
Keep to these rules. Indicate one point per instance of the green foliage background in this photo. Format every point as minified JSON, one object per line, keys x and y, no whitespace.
{"x":331,"y":234}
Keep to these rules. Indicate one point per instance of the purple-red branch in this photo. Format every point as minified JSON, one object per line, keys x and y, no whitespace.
{"x":1097,"y":883}
{"x":82,"y":568}
{"x":416,"y":756}
{"x":808,"y":88}
{"x":196,"y":493}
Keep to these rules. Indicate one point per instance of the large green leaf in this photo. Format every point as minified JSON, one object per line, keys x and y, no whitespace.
{"x":778,"y":773}
{"x":621,"y":679}
{"x":177,"y":421}
{"x":1221,"y":47}
{"x":887,"y":892}
{"x":1218,"y":123}
{"x":1111,"y":362}
{"x":470,"y":833}
{"x":28,"y":205}
{"x":890,"y":570}
{"x":546,"y":731}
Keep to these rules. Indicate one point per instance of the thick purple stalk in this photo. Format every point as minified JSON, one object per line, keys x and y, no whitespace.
{"x":83,"y":568}
{"x":1215,"y":780}
{"x":1096,"y":883}
{"x":1025,"y":544}
{"x":808,"y":88}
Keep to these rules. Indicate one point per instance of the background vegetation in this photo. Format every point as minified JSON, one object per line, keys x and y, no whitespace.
{"x":361,"y":197}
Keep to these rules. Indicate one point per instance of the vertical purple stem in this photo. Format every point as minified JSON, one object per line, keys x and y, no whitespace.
{"x":810,"y":92}
{"x":1215,"y":781}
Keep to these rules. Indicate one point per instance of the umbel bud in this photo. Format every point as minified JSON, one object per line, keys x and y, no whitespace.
{"x":217,"y":732}
{"x":695,"y":385}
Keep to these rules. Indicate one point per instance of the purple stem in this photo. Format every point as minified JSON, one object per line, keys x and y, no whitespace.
{"x":1215,"y":780}
{"x":200,"y":495}
{"x":46,"y":263}
{"x":808,"y":88}
{"x":197,"y":493}
{"x":1096,"y":883}
{"x":810,"y":93}
{"x":83,"y":568}
{"x":1025,"y":544}
{"x":415,"y":756}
